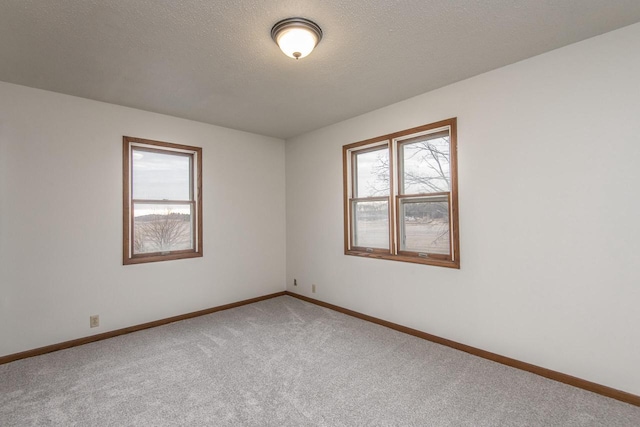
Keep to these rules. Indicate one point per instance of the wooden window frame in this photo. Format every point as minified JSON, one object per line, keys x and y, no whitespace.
{"x":393,"y":143}
{"x":128,"y":256}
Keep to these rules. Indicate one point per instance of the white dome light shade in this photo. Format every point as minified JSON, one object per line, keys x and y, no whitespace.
{"x":297,"y":37}
{"x":297,"y":42}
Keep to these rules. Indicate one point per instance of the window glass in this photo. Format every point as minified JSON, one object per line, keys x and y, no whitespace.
{"x":425,"y":225}
{"x":163,"y":176}
{"x":426,"y":165}
{"x":372,"y":173}
{"x":371,"y":224}
{"x":162,"y":228}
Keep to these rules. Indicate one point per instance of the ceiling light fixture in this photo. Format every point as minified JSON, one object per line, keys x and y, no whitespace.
{"x":297,"y":37}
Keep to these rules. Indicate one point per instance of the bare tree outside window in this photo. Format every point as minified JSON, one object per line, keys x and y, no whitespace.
{"x":162,"y":232}
{"x":427,"y":168}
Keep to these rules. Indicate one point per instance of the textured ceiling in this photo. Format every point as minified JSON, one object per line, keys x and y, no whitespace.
{"x":214,"y":61}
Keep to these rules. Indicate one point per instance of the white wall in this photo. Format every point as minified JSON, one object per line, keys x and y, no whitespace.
{"x":549,"y":177}
{"x":61,"y":220}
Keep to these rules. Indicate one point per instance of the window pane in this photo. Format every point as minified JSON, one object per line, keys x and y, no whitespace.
{"x":425,"y":165}
{"x":371,"y":224}
{"x":425,"y":225}
{"x":161,"y":176}
{"x":162,"y":228}
{"x":372,"y":174}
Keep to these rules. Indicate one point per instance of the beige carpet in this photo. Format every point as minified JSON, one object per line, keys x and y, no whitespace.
{"x":285,"y":362}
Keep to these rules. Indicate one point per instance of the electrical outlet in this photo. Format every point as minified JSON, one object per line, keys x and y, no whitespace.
{"x":313,"y":289}
{"x":295,"y":282}
{"x":94,"y":321}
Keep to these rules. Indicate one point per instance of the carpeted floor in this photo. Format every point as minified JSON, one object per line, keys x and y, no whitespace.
{"x":285,"y":362}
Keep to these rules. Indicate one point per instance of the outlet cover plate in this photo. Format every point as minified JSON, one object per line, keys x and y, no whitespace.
{"x":94,"y":321}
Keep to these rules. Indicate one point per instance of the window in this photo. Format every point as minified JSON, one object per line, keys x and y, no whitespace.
{"x":401,"y":196}
{"x":162,"y":212}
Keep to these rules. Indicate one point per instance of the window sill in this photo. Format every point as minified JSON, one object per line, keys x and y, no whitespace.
{"x":157,"y":258}
{"x":405,"y":258}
